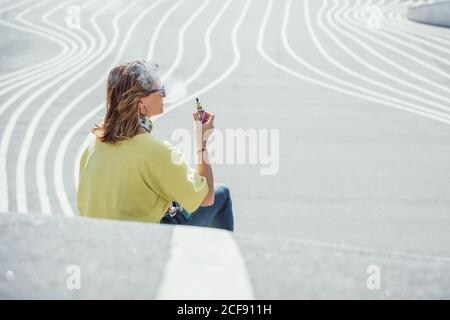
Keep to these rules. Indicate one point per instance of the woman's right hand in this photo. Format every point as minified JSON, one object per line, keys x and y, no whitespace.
{"x":203,"y":130}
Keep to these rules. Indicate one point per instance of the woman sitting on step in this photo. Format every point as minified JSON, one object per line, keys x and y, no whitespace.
{"x":127,"y":173}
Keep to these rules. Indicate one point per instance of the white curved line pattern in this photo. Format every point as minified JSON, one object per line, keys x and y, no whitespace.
{"x":86,"y":56}
{"x":35,"y":29}
{"x":44,"y":32}
{"x":199,"y":70}
{"x":158,"y":28}
{"x":195,"y":75}
{"x":403,"y":66}
{"x":69,"y":67}
{"x":100,"y":54}
{"x":385,"y":74}
{"x":23,"y":71}
{"x":373,"y":36}
{"x":181,"y":36}
{"x":58,"y":176}
{"x":260,"y":47}
{"x":28,"y":74}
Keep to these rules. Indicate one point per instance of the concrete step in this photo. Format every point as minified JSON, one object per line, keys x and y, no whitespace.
{"x":437,"y":13}
{"x":42,"y":256}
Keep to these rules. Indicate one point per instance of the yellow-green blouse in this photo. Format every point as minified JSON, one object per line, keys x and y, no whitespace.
{"x":136,"y":180}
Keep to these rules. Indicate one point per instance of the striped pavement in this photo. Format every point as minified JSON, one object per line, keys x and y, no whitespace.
{"x":360,"y":96}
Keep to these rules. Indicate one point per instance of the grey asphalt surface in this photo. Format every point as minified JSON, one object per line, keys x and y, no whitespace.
{"x":125,"y":260}
{"x":118,"y":260}
{"x":352,"y":171}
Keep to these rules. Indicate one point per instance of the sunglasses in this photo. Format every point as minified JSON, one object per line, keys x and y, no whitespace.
{"x":162,"y":91}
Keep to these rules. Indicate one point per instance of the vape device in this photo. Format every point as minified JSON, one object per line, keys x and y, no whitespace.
{"x":202,"y":116}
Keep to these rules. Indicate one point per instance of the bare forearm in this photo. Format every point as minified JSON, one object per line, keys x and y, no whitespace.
{"x":205,"y":170}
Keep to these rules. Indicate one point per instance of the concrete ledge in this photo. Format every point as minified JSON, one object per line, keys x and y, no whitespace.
{"x":55,"y":257}
{"x":437,"y":14}
{"x":292,"y":269}
{"x":118,"y":260}
{"x":126,"y":260}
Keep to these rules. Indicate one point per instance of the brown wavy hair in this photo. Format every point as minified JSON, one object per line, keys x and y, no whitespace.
{"x":126,"y":84}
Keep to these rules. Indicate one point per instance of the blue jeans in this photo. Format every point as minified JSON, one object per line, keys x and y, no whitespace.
{"x":219,"y":215}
